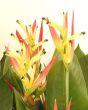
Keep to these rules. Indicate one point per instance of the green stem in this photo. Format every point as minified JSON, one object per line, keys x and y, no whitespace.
{"x":67,"y":87}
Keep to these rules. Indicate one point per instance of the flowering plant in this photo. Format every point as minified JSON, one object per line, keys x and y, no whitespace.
{"x":27,"y":84}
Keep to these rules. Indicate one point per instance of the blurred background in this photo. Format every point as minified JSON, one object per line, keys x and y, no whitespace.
{"x":29,"y":10}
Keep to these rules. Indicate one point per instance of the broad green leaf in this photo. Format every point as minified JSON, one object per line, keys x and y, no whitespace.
{"x":2,"y":65}
{"x":6,"y":96}
{"x":56,"y":87}
{"x":78,"y":89}
{"x":83,"y":61}
{"x":6,"y":66}
{"x":6,"y":70}
{"x":15,"y":81}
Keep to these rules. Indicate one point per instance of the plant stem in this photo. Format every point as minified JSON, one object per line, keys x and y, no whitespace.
{"x":67,"y":87}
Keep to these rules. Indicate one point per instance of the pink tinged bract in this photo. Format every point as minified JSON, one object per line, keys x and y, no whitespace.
{"x":27,"y":52}
{"x":44,"y":73}
{"x":72,"y":26}
{"x":15,"y":64}
{"x":66,"y":20}
{"x":55,"y":37}
{"x":41,"y":35}
{"x":34,"y":26}
{"x":72,"y":29}
{"x":72,"y":33}
{"x":27,"y":32}
{"x":20,"y":38}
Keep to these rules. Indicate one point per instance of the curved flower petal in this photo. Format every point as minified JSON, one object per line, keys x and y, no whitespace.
{"x":27,"y":52}
{"x":15,"y":64}
{"x":56,"y":38}
{"x":20,"y":37}
{"x":41,"y":35}
{"x":44,"y":73}
{"x":34,"y":26}
{"x":65,"y":24}
{"x":58,"y":27}
{"x":72,"y":26}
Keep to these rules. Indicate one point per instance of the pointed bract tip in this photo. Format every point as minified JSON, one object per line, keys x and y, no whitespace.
{"x":55,"y":105}
{"x":69,"y":105}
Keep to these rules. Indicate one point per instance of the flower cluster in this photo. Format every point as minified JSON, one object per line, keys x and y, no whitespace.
{"x":63,"y":43}
{"x":26,"y":62}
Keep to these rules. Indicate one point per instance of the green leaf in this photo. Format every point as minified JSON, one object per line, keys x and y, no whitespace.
{"x":4,"y":65}
{"x":8,"y":73}
{"x":15,"y":81}
{"x":56,"y":86}
{"x":83,"y":61}
{"x":6,"y":96}
{"x":78,"y":89}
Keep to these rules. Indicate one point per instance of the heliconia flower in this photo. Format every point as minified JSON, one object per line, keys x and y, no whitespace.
{"x":43,"y":74}
{"x":63,"y":43}
{"x":29,"y":56}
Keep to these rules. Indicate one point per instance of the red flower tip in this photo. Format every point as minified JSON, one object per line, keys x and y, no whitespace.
{"x":41,"y":32}
{"x":41,"y":35}
{"x":20,"y":37}
{"x":27,"y":51}
{"x":55,"y":105}
{"x":69,"y":105}
{"x":72,"y":27}
{"x":66,"y":20}
{"x":34,"y":26}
